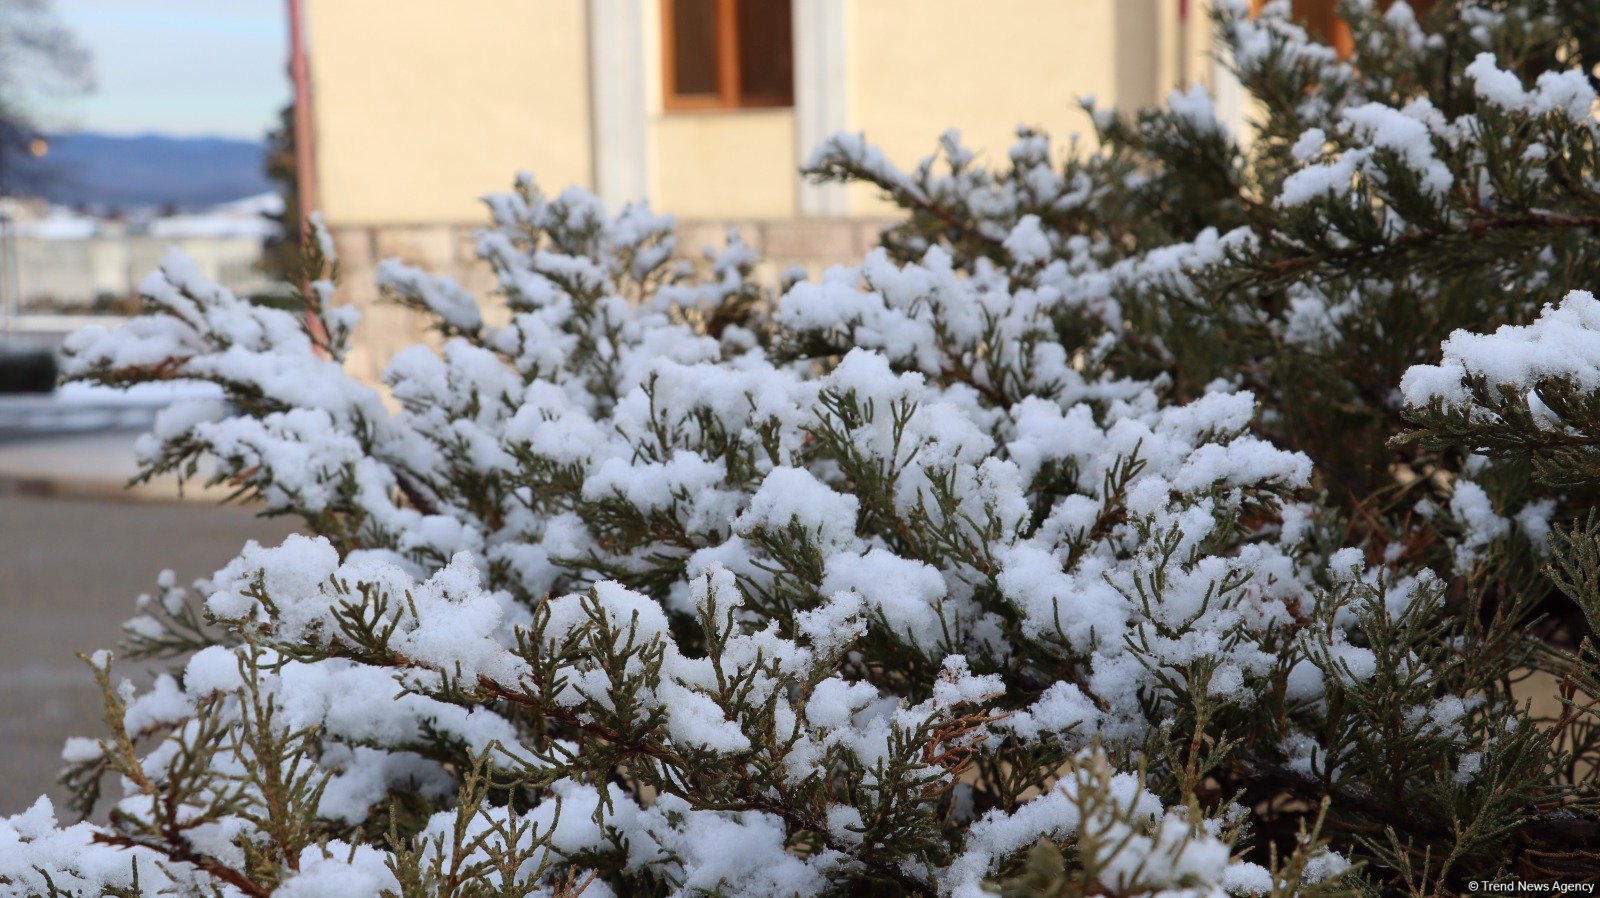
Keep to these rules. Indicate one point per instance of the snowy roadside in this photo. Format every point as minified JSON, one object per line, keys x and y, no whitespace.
{"x":79,"y":441}
{"x":82,"y":408}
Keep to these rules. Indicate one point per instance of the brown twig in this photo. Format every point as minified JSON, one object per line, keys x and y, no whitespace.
{"x":183,"y":854}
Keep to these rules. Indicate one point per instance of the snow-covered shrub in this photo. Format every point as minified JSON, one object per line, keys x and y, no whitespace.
{"x":1089,"y":537}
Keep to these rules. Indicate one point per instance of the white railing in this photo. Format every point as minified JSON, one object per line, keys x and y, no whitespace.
{"x":61,"y":324}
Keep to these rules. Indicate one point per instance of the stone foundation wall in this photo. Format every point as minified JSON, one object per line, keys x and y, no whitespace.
{"x":448,"y":249}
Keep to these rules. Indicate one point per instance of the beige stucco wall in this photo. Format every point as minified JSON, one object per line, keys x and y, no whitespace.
{"x":917,"y":67}
{"x":420,"y":107}
{"x":914,"y":69}
{"x":737,"y":164}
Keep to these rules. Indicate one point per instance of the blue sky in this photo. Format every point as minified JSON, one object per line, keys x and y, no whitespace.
{"x":185,"y":67}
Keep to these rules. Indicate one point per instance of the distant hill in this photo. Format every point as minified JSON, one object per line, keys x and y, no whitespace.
{"x":105,"y":170}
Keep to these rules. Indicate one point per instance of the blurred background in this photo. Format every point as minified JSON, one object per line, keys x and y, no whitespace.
{"x":128,"y":127}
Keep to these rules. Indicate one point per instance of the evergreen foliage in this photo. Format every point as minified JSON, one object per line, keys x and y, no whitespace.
{"x":281,"y":256}
{"x":1182,"y":516}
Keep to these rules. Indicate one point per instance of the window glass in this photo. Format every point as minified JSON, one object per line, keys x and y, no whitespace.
{"x":694,"y":47}
{"x":766,"y":56}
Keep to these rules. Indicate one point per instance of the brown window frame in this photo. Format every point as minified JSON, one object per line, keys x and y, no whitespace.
{"x":728,"y":95}
{"x":1323,"y":21}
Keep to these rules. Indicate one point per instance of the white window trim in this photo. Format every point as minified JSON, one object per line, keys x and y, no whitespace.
{"x":820,"y":97}
{"x":617,"y":101}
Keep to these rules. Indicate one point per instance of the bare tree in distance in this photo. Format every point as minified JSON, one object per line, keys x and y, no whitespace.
{"x":39,"y":56}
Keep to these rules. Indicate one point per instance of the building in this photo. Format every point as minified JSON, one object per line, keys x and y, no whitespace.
{"x":413,"y":108}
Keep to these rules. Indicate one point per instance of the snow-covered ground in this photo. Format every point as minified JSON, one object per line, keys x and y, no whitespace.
{"x":72,"y":260}
{"x":248,"y":217}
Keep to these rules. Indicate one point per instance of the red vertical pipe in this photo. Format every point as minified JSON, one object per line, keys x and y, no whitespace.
{"x":305,"y":164}
{"x":1183,"y":43}
{"x":305,"y":157}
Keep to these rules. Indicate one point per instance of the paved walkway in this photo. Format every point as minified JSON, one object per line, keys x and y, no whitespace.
{"x":76,"y":548}
{"x":83,"y":465}
{"x":78,"y":463}
{"x":79,"y":441}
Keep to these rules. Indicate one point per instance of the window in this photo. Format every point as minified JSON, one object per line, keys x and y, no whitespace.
{"x":1321,"y":19}
{"x":727,"y":54}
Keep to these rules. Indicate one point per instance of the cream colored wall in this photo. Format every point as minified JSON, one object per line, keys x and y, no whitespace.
{"x":419,"y":109}
{"x":737,"y":164}
{"x":917,"y":67}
